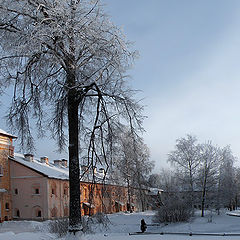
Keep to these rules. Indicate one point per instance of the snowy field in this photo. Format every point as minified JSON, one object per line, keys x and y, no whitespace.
{"x":122,"y":224}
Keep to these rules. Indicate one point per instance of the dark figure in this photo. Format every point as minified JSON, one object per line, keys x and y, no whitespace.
{"x":143,"y":226}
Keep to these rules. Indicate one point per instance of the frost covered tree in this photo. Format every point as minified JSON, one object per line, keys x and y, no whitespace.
{"x":208,"y":171}
{"x":226,"y":182}
{"x":133,"y":164}
{"x":187,"y":159}
{"x":67,"y":63}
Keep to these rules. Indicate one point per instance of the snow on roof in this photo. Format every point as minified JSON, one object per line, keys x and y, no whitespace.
{"x":49,"y":170}
{"x":155,"y":191}
{"x":59,"y":171}
{"x":7,"y":134}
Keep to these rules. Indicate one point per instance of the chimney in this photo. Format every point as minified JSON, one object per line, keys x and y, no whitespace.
{"x":102,"y":171}
{"x":57,"y":163}
{"x":44,"y":160}
{"x":84,"y":169}
{"x":29,"y":157}
{"x":64,"y":163}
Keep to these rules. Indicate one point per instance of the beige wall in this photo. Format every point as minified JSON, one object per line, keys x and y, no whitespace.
{"x":29,"y":193}
{"x":6,"y":150}
{"x":58,"y":198}
{"x":53,"y":196}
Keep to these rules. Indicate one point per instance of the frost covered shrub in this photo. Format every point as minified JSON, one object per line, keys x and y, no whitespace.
{"x":102,"y":219}
{"x":173,"y":211}
{"x":59,"y":227}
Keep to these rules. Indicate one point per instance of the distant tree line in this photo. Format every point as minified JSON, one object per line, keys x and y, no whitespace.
{"x":203,"y":175}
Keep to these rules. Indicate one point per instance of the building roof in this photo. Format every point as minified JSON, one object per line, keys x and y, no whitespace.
{"x":52,"y":171}
{"x":2,"y":132}
{"x":58,"y":171}
{"x":155,"y":191}
{"x":49,"y":170}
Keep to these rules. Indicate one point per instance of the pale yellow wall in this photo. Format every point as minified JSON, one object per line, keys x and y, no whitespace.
{"x":27,"y":201}
{"x":6,"y":150}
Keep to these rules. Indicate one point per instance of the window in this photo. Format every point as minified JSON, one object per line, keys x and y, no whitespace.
{"x":39,"y":213}
{"x":65,"y":191}
{"x":54,"y":189}
{"x":16,"y":191}
{"x":1,"y":170}
{"x":54,"y":212}
{"x":17,"y":213}
{"x":36,"y":189}
{"x":66,"y":212}
{"x":7,"y":206}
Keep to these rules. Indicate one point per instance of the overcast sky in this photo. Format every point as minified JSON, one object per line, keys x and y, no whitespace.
{"x":188,"y":70}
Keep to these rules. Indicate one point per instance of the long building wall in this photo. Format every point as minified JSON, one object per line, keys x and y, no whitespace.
{"x":6,"y":149}
{"x":35,"y":196}
{"x":29,"y":194}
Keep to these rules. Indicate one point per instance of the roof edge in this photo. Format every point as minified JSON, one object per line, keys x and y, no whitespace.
{"x":2,"y":132}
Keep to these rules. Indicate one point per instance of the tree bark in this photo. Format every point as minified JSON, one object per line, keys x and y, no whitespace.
{"x":129,"y":196}
{"x":203,"y":196}
{"x":74,"y":172}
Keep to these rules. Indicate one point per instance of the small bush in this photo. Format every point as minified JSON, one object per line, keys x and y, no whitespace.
{"x":173,"y":211}
{"x":59,"y":227}
{"x":101,"y":219}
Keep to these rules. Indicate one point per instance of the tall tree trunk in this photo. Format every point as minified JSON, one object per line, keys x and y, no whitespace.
{"x":192,"y":190}
{"x":129,"y":196}
{"x":74,"y":172}
{"x":203,"y":196}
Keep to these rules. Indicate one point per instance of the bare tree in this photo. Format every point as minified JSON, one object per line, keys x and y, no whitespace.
{"x":186,"y":158}
{"x":67,"y":63}
{"x":226,"y":183}
{"x":208,"y":171}
{"x":134,"y":165}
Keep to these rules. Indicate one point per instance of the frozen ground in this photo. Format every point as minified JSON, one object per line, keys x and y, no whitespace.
{"x":123,"y":223}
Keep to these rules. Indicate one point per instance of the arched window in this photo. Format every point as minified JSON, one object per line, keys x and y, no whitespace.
{"x":16,"y":213}
{"x":1,"y":170}
{"x":37,"y":212}
{"x":85,"y":193}
{"x":53,"y":189}
{"x":36,"y":189}
{"x":7,"y":206}
{"x":54,"y":212}
{"x":65,"y":190}
{"x":66,"y":212}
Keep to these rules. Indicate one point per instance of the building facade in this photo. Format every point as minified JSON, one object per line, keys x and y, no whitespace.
{"x":40,"y":190}
{"x":6,"y":150}
{"x":36,"y":189}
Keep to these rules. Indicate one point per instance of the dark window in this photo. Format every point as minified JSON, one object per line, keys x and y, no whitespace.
{"x":18,"y":213}
{"x":16,"y":191}
{"x":53,"y":191}
{"x":65,"y":191}
{"x":7,"y":206}
{"x":39,"y":213}
{"x":1,"y":170}
{"x":37,"y":191}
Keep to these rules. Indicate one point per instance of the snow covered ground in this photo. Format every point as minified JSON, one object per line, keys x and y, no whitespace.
{"x":123,"y":223}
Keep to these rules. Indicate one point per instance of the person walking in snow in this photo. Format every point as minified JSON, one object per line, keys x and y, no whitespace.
{"x":143,"y":226}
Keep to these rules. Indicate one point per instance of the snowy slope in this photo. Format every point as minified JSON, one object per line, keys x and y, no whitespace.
{"x":123,"y":223}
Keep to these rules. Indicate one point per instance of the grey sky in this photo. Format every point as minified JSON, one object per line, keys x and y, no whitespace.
{"x":189,"y":70}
